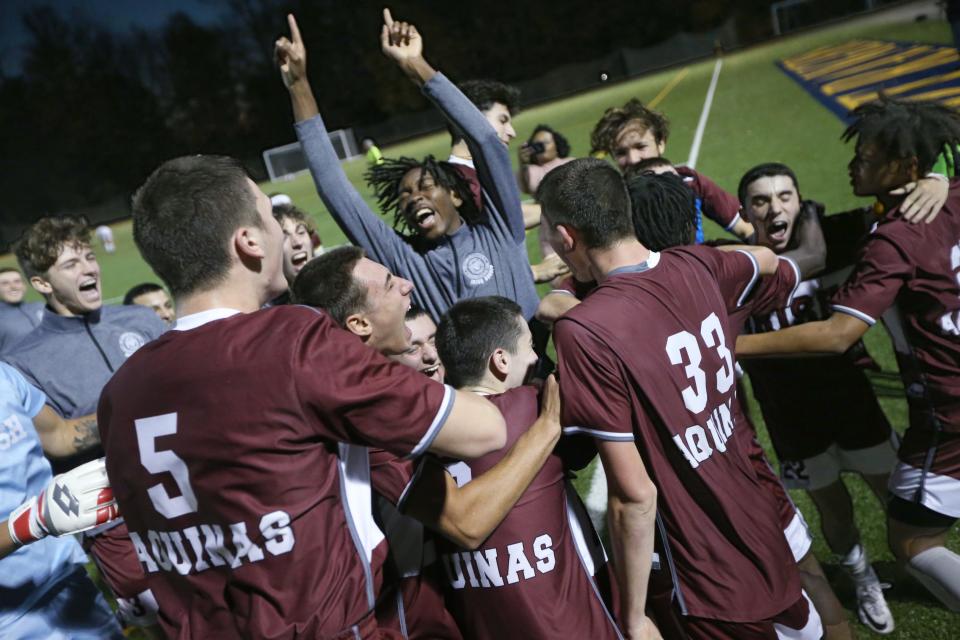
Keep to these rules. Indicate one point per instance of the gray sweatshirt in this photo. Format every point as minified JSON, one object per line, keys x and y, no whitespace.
{"x":16,"y":321}
{"x":70,"y":359}
{"x":483,"y":259}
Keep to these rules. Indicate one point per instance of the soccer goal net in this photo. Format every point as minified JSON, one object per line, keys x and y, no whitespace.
{"x":283,"y":163}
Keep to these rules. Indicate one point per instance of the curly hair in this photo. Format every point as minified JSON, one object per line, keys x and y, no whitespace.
{"x":385,"y":180}
{"x":604,"y":134}
{"x":902,"y":129}
{"x":41,"y":244}
{"x":484,"y":94}
{"x":563,"y":145}
{"x":663,"y":209}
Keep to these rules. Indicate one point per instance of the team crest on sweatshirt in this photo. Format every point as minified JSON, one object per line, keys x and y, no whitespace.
{"x":130,"y":341}
{"x":477,"y":269}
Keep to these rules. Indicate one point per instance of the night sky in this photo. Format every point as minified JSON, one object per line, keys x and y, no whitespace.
{"x":117,"y":15}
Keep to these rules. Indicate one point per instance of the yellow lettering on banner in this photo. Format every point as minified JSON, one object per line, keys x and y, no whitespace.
{"x":830,"y":54}
{"x":935,"y":59}
{"x":847,"y":62}
{"x":899,"y":57}
{"x":854,"y":100}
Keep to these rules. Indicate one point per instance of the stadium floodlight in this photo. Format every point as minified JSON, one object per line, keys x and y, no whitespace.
{"x":286,"y":161}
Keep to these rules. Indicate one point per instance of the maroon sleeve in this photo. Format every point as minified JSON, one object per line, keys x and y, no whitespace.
{"x":360,"y":397}
{"x":718,"y":205}
{"x":389,"y":475}
{"x":875,"y":282}
{"x":736,"y":272}
{"x":594,"y":395}
{"x":770,"y":293}
{"x":470,"y":175}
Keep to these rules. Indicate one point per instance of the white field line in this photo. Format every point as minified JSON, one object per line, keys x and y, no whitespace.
{"x":702,"y":125}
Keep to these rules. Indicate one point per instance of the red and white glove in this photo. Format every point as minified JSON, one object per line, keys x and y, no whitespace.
{"x":72,"y":502}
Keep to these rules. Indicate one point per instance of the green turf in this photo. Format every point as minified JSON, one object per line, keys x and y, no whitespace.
{"x":759,"y":114}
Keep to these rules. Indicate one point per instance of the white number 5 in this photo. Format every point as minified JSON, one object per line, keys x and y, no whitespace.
{"x":148,"y":430}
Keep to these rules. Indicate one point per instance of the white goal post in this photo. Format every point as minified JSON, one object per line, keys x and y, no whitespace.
{"x":286,"y":161}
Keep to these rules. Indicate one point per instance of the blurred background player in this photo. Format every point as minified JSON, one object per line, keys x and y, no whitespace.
{"x":152,"y":296}
{"x":372,"y":151}
{"x":17,"y":318}
{"x":105,"y":236}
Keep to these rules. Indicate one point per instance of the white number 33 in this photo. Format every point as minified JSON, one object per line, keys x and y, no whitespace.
{"x":711,"y":332}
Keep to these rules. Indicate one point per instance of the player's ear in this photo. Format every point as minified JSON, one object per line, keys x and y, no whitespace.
{"x":41,"y":285}
{"x":500,"y":363}
{"x":455,"y":198}
{"x":249,"y":243}
{"x":568,"y":235}
{"x":359,"y":325}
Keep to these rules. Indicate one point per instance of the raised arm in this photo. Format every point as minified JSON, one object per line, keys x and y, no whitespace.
{"x":402,"y":43}
{"x":362,"y":226}
{"x":468,"y":515}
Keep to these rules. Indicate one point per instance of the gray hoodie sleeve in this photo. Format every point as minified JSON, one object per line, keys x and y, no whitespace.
{"x":490,"y":156}
{"x":362,"y":226}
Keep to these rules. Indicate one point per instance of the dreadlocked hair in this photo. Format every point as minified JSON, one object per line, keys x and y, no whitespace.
{"x":385,"y":180}
{"x":901,"y":129}
{"x":664,"y":211}
{"x":604,"y":135}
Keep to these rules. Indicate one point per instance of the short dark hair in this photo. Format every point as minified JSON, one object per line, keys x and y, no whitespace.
{"x":765,"y":170}
{"x":664,"y":210}
{"x":184,"y":216}
{"x":647,"y":165}
{"x":43,"y":242}
{"x":589,"y":195}
{"x":605,"y":132}
{"x":563,"y":145}
{"x":9,"y":270}
{"x":283,"y":212}
{"x":907,"y":129}
{"x":139,"y":290}
{"x":471,"y":330}
{"x":484,"y":94}
{"x":386,"y":177}
{"x":327,"y":282}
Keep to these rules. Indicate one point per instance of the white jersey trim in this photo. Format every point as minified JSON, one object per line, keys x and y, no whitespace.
{"x":201,"y":318}
{"x":354,"y":467}
{"x":438,"y":421}
{"x":850,"y":311}
{"x":753,"y":281}
{"x":940,"y":493}
{"x":458,"y":160}
{"x":812,"y":630}
{"x":733,"y":223}
{"x":796,"y":271}
{"x":613,"y":436}
{"x":798,"y":536}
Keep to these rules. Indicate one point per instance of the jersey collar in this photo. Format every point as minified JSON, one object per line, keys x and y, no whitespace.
{"x":646,"y":265}
{"x":201,"y":318}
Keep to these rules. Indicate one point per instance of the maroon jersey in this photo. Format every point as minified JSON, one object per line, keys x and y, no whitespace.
{"x":533,"y":577}
{"x":916,"y":266}
{"x":229,"y":448}
{"x":647,"y":358}
{"x":828,"y":399}
{"x":718,"y":205}
{"x":411,"y":598}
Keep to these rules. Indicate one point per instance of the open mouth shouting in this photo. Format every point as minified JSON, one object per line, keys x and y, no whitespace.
{"x":777,"y":231}
{"x":432,"y":372}
{"x":90,"y":290}
{"x":425,"y":218}
{"x":299,"y":259}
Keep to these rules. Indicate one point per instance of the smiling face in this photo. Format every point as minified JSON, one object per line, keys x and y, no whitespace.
{"x":297,"y":247}
{"x":12,"y":287}
{"x":428,"y":208}
{"x":388,"y":299}
{"x":634,"y":144}
{"x":422,"y":354}
{"x":772,"y":206}
{"x":72,"y":285}
{"x":499,"y":116}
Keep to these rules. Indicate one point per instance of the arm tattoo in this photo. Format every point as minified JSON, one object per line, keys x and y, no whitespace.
{"x":86,"y":434}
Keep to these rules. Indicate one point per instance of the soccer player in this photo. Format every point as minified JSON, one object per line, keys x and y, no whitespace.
{"x":422,"y":354}
{"x":828,"y":419}
{"x":908,"y":274}
{"x":152,"y":296}
{"x":660,"y":407}
{"x":452,"y":251}
{"x":47,"y":591}
{"x":17,"y":318}
{"x":534,"y":576}
{"x":343,"y":282}
{"x":105,"y":236}
{"x":249,"y":501}
{"x":297,"y":243}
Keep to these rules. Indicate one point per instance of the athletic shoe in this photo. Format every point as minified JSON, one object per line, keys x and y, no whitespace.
{"x":872,"y":607}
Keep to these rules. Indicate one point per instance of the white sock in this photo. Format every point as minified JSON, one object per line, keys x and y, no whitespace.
{"x":938,"y":569}
{"x":857,"y":563}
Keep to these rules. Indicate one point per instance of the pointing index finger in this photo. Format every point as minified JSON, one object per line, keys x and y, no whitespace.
{"x":294,"y":30}
{"x":387,"y":17}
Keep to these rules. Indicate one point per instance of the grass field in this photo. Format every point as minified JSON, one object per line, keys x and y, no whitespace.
{"x":758,"y":114}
